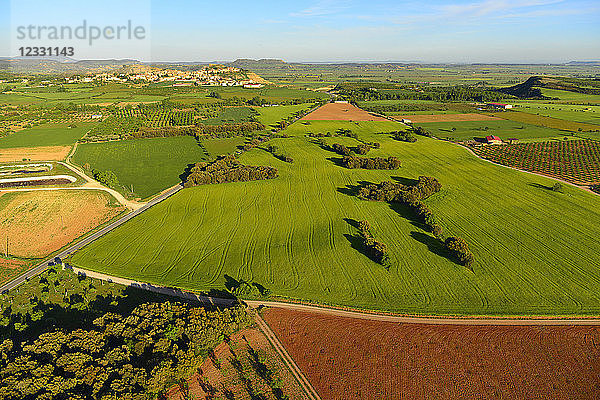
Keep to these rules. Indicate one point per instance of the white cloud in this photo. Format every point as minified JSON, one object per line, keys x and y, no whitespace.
{"x":322,"y":7}
{"x":490,"y":7}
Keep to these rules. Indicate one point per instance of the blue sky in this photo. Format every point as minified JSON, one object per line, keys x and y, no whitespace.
{"x":351,"y":30}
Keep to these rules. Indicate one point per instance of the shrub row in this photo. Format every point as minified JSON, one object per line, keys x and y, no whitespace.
{"x":459,"y":249}
{"x":370,"y":163}
{"x":377,"y":251}
{"x":404,"y":136}
{"x":278,"y":154}
{"x":419,"y":130}
{"x":398,"y":192}
{"x":199,"y":130}
{"x":362,"y":149}
{"x":412,"y":197}
{"x":227,"y":169}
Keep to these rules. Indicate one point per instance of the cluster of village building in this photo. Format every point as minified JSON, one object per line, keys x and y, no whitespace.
{"x":212,"y":75}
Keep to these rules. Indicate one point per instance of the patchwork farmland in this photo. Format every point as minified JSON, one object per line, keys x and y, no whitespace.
{"x":340,"y":208}
{"x":276,"y":233}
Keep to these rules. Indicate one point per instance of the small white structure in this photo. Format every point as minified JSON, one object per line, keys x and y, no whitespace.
{"x":253,"y":86}
{"x":406,"y":121}
{"x":501,"y":105}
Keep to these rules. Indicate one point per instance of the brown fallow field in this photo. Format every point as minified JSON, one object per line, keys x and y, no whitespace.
{"x":347,"y":358}
{"x":423,"y":118}
{"x":341,"y":112}
{"x":39,"y":222}
{"x":44,"y":153}
{"x":11,"y":267}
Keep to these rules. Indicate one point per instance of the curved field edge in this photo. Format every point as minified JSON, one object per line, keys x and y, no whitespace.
{"x":536,"y":250}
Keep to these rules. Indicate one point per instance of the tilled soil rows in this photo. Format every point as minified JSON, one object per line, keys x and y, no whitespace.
{"x":341,"y":112}
{"x":347,"y":358}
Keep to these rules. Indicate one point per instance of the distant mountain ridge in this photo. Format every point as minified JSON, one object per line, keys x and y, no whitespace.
{"x":531,"y":88}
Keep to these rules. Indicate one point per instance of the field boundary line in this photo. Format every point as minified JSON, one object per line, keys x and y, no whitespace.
{"x":309,"y":390}
{"x":374,"y":315}
{"x":429,"y":320}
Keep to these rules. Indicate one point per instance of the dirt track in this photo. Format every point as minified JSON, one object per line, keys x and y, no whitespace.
{"x":350,"y":358}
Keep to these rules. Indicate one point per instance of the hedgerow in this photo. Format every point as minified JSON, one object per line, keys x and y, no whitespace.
{"x":376,"y":250}
{"x":227,"y":169}
{"x":370,"y":163}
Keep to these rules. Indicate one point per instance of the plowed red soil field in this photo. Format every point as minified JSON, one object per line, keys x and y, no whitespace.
{"x":341,"y":112}
{"x":347,"y":358}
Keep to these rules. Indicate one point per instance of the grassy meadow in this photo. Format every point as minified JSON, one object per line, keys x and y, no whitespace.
{"x":467,"y":130}
{"x":578,"y":113}
{"x":271,"y":115}
{"x":571,"y":97}
{"x":535,"y":249}
{"x":46,"y":135}
{"x":221,"y":146}
{"x":147,"y":165}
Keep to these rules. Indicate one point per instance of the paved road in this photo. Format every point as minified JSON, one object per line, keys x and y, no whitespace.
{"x":78,"y":245}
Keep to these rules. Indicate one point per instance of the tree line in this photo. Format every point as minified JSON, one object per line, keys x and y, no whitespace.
{"x":404,"y":136}
{"x":441,"y":94}
{"x":353,"y":162}
{"x":376,"y":250}
{"x":412,"y":196}
{"x":227,"y":169}
{"x":276,"y":151}
{"x":200,"y":130}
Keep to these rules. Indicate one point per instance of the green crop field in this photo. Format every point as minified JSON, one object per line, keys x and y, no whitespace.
{"x":221,"y":146}
{"x":45,"y":135}
{"x":572,"y":97}
{"x":230,"y":115}
{"x":578,"y":113}
{"x":149,"y":165}
{"x":468,"y":130}
{"x":548,"y":122}
{"x":271,"y":115}
{"x":536,"y":250}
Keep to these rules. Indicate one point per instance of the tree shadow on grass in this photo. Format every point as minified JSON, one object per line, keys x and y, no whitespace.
{"x":435,"y":245}
{"x":337,"y":161}
{"x":405,"y":181}
{"x":349,"y":190}
{"x":356,"y":241}
{"x":408,"y":214}
{"x":539,"y":186}
{"x":186,"y":172}
{"x":352,"y":222}
{"x":352,"y":190}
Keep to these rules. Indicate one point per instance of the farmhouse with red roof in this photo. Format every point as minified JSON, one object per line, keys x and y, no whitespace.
{"x":493,"y":140}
